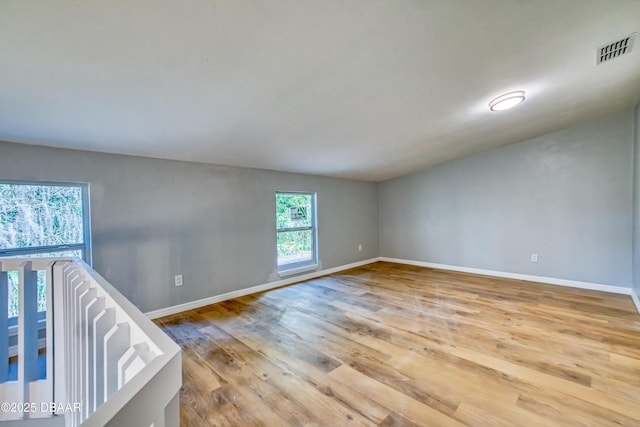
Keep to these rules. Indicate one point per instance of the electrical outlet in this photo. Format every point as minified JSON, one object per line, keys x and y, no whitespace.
{"x":178,"y":280}
{"x":534,"y":257}
{"x":359,"y":247}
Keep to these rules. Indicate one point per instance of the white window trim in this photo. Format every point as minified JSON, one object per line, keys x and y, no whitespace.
{"x":298,"y":270}
{"x":304,"y":266}
{"x":85,"y":247}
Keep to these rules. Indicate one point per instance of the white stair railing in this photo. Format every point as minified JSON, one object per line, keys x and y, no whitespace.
{"x":24,"y":394}
{"x":107,"y":364}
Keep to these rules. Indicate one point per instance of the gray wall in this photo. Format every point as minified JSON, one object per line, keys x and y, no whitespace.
{"x":636,"y":204}
{"x":153,"y":219}
{"x":566,"y":196}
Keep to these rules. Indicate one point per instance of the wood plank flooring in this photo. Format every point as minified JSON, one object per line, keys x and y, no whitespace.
{"x":396,"y":345}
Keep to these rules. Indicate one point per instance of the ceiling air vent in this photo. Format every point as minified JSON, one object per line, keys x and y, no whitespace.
{"x":613,"y":50}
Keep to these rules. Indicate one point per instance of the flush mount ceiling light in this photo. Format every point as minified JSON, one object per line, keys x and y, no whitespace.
{"x":506,"y":101}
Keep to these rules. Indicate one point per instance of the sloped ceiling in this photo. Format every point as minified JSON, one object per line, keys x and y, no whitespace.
{"x":365,"y":89}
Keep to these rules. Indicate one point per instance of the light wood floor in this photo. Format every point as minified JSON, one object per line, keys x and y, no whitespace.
{"x":389,"y":344}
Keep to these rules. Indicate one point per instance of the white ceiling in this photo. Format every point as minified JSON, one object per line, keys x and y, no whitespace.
{"x":367,"y":89}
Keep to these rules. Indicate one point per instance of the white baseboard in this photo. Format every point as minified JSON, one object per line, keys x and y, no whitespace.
{"x":636,"y":301}
{"x":252,"y":290}
{"x":276,"y":284}
{"x":540,"y":279}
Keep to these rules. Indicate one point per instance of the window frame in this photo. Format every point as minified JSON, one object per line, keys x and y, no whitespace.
{"x":85,"y":246}
{"x":300,"y":266}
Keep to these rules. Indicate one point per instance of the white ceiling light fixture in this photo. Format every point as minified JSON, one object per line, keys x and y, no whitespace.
{"x":506,"y":101}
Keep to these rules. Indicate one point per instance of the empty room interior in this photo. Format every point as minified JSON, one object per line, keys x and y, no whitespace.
{"x":320,"y":213}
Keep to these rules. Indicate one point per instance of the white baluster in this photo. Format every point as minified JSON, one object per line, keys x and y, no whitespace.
{"x":27,"y":329}
{"x":77,"y":286}
{"x":50,"y":320}
{"x":85,"y":299}
{"x":103,"y":323}
{"x":9,"y":390}
{"x":132,"y":362}
{"x":93,"y":309}
{"x":59,"y":327}
{"x":41,"y":390}
{"x":4,"y":325}
{"x":116,"y":342}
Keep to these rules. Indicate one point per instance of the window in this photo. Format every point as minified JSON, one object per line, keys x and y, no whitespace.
{"x":44,"y":219}
{"x":39,"y":220}
{"x":296,"y":232}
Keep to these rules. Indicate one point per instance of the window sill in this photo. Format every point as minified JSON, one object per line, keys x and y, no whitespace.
{"x":298,"y":270}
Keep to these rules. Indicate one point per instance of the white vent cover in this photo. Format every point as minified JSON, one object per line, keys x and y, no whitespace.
{"x":613,"y":50}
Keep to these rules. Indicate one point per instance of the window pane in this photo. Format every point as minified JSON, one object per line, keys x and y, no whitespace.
{"x":40,"y":215}
{"x":295,"y":246}
{"x":293,"y":210}
{"x":13,"y":290}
